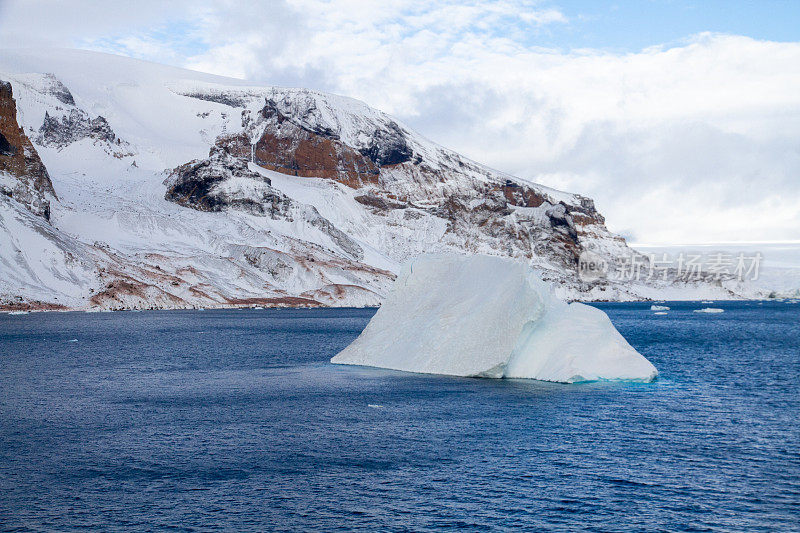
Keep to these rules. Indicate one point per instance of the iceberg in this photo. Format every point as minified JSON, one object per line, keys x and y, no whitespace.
{"x":709,"y":310}
{"x":659,"y":308}
{"x":484,"y":316}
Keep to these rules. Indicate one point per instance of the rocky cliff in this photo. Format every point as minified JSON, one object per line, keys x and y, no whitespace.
{"x":23,"y":176}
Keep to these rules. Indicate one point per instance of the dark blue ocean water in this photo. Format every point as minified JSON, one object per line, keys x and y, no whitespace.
{"x":235,"y":420}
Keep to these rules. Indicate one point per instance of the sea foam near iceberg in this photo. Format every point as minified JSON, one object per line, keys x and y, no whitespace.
{"x":491,"y":317}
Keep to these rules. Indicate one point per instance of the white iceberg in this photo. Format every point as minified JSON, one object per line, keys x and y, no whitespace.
{"x":709,"y":310}
{"x":659,"y":308}
{"x":660,"y":313}
{"x":491,"y":317}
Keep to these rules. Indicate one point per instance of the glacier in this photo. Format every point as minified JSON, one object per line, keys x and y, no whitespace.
{"x":487,"y":316}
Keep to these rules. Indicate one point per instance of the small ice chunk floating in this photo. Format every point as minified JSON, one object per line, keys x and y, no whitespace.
{"x":483,"y":316}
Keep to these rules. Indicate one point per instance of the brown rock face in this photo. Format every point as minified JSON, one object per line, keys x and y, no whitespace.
{"x":19,"y":158}
{"x":297,"y":152}
{"x":290,"y":146}
{"x":520,"y":195}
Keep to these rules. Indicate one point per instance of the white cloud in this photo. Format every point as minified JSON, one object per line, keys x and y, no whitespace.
{"x":692,"y":143}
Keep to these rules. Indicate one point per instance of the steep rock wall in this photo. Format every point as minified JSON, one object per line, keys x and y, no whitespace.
{"x":23,"y":176}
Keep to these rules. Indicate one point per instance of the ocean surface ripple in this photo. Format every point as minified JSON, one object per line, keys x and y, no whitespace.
{"x":235,"y":420}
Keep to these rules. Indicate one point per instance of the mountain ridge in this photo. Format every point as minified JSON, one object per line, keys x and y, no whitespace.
{"x":183,"y":192}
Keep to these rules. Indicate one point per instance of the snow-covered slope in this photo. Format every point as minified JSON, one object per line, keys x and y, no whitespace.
{"x":186,"y":189}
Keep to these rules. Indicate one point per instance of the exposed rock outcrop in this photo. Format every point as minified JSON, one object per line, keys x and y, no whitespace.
{"x":74,"y":126}
{"x":23,"y":176}
{"x":224,"y":181}
{"x":208,"y":185}
{"x":388,"y":146}
{"x":291,"y":150}
{"x":53,"y":86}
{"x":228,"y":98}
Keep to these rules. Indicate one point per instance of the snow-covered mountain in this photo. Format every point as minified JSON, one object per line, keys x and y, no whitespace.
{"x":131,"y":184}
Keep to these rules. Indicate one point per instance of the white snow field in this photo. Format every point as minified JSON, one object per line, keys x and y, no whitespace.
{"x":484,"y":316}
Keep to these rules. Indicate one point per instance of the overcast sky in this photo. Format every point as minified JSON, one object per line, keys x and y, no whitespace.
{"x":680,"y":118}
